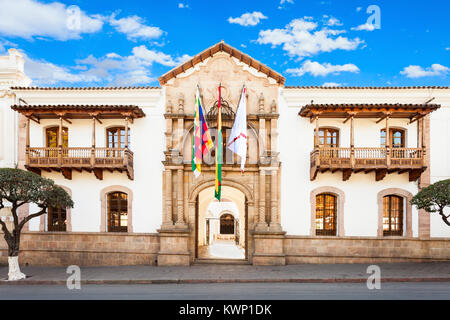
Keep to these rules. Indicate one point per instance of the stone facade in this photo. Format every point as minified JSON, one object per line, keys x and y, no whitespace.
{"x":85,"y":249}
{"x":363,"y":250}
{"x":279,"y":206}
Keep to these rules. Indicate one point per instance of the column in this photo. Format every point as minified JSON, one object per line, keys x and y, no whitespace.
{"x":262,"y":138}
{"x":180,"y":130}
{"x":27,"y":143}
{"x":93,"y":143}
{"x":126,"y":133}
{"x":180,"y":189}
{"x":167,"y":218}
{"x":388,"y":142}
{"x":262,"y":224}
{"x":352,"y":142}
{"x":60,"y":141}
{"x":273,"y":135}
{"x":274,"y":221}
{"x":316,"y":133}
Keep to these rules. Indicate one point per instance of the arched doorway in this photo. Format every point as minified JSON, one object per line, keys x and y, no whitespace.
{"x":221,"y":227}
{"x":227,"y":224}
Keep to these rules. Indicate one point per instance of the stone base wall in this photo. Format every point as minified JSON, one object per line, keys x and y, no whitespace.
{"x":107,"y":249}
{"x":364,"y":250}
{"x":84,"y":249}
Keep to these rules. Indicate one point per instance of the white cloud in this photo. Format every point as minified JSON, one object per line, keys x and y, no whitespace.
{"x":331,"y":84}
{"x":448,"y":49}
{"x":332,"y":21}
{"x":135,"y":28}
{"x":4,"y":44}
{"x":31,"y":18}
{"x":317,"y":69}
{"x":301,"y":38}
{"x":148,"y":57}
{"x":366,"y":27}
{"x":46,"y":73}
{"x":414,"y":71}
{"x":183,"y":5}
{"x":110,"y":69}
{"x":358,"y":9}
{"x":248,"y":19}
{"x":132,"y":69}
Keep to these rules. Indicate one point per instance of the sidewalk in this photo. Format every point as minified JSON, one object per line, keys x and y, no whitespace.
{"x":305,"y":273}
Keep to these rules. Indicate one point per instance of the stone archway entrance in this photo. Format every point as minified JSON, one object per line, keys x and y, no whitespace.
{"x":260,"y":183}
{"x":221,"y":228}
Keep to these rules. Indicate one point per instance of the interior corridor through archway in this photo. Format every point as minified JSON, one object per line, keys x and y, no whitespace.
{"x":221,"y":226}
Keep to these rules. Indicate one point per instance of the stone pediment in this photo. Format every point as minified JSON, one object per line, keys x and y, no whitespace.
{"x":229,"y":51}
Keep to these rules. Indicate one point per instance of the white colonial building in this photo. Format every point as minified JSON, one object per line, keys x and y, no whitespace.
{"x":329,"y":173}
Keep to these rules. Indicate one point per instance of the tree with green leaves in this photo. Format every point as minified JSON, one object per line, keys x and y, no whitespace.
{"x":18,"y":187}
{"x":434,"y":198}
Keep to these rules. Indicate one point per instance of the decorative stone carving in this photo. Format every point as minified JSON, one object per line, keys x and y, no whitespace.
{"x":169,"y":106}
{"x":273,"y":107}
{"x":181,"y":103}
{"x":261,"y":103}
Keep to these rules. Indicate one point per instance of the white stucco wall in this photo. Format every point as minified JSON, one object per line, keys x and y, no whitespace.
{"x":440,"y":155}
{"x":296,"y":138}
{"x":11,"y":74}
{"x":147,"y":142}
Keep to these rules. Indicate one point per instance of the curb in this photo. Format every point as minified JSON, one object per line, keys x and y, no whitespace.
{"x":197,"y":281}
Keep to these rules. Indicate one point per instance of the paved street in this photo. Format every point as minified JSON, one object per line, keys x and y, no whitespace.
{"x":229,"y":291}
{"x":432,"y":271}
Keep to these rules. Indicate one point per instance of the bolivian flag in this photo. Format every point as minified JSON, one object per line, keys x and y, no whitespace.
{"x":218,"y":185}
{"x":201,"y":142}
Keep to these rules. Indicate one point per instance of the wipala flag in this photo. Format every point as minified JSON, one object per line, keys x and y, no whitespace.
{"x":218,"y":183}
{"x":201,"y":142}
{"x":238,"y":138}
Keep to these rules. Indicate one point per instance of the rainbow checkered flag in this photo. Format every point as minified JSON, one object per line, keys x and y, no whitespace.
{"x":201,"y":142}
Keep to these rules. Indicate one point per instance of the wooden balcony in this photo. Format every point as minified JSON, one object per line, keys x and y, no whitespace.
{"x":89,"y":159}
{"x":380,"y":160}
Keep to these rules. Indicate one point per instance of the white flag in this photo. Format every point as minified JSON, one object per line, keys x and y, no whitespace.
{"x":238,"y":138}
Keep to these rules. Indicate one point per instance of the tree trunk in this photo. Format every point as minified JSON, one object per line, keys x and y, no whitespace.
{"x":444,"y":217}
{"x":14,"y":269}
{"x":13,"y":258}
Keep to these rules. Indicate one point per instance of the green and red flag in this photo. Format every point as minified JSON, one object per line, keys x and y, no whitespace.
{"x":201,"y":142}
{"x":218,"y":184}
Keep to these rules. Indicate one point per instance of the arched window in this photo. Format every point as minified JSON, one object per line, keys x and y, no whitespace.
{"x":56,"y":220}
{"x":115,"y":137}
{"x":226,"y":224}
{"x":397,"y":138}
{"x":117,"y":212}
{"x":329,"y":137}
{"x":52,"y":137}
{"x":326,"y":214}
{"x":392,"y":215}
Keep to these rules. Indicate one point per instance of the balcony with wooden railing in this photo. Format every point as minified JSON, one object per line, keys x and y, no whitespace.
{"x":383,"y":160}
{"x":92,"y":159}
{"x":378,"y":160}
{"x":88,"y":159}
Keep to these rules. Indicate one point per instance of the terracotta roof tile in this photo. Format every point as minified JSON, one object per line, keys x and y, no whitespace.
{"x":310,"y":109}
{"x":222,"y":47}
{"x":370,"y":87}
{"x":86,"y":88}
{"x":135,"y":110}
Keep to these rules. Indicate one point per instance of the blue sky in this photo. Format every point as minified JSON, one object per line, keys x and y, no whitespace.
{"x":315,"y":42}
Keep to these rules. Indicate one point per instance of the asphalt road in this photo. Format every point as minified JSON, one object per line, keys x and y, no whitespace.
{"x":228,"y":291}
